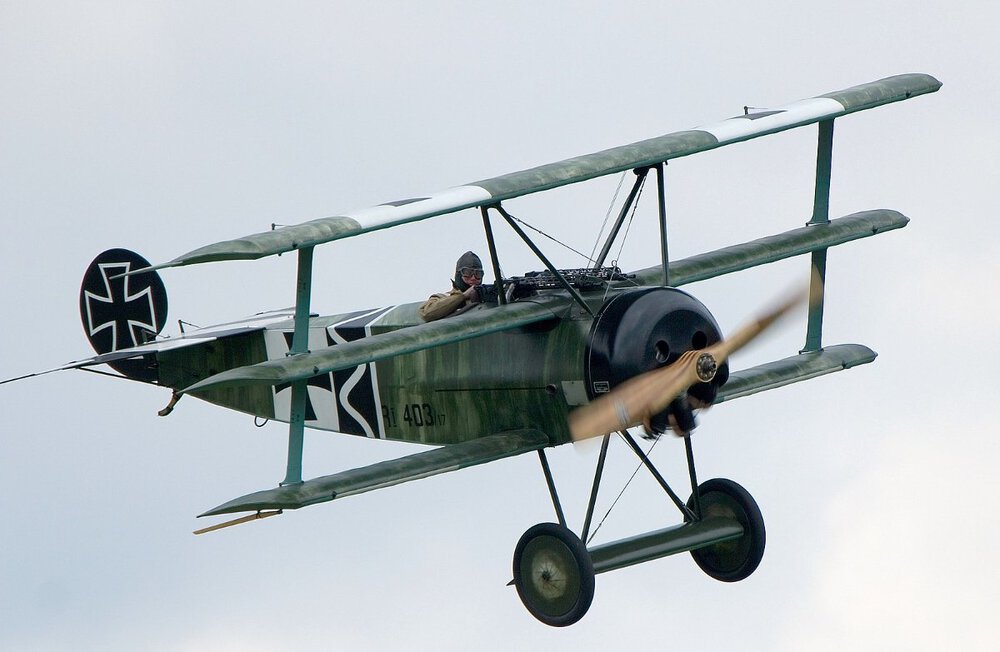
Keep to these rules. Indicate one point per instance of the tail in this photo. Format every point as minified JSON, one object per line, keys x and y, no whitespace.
{"x":120,"y":312}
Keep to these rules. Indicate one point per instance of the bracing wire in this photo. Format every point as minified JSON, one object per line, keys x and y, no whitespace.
{"x":635,"y":207}
{"x":607,"y":215}
{"x":563,"y":244}
{"x":622,"y":492}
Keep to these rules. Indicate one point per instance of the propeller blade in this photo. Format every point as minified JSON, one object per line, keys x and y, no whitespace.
{"x":631,"y":403}
{"x":749,"y":331}
{"x":636,"y":400}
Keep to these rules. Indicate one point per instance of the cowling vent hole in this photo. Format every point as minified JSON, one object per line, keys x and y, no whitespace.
{"x":699,"y":340}
{"x":662,"y":351}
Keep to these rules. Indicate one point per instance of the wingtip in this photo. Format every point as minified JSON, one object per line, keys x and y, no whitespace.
{"x":142,"y":270}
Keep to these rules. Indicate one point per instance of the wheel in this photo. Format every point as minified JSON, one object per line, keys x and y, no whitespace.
{"x":553,"y":574}
{"x":735,"y":560}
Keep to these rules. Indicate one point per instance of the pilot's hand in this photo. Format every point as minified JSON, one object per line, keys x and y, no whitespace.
{"x":471,"y":294}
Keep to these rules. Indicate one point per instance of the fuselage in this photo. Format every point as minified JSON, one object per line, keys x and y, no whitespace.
{"x":523,"y":378}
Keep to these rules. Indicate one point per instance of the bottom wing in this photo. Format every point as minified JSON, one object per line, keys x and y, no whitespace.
{"x":388,"y":473}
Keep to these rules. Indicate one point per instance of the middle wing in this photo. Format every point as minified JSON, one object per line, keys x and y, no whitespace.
{"x":387,"y":345}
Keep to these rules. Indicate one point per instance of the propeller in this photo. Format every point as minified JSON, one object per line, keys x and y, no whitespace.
{"x":636,"y":400}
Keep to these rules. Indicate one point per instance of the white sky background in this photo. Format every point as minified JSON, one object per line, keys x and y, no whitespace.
{"x":165,"y":127}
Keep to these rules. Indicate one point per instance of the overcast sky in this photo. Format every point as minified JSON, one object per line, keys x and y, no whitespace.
{"x":163,"y":127}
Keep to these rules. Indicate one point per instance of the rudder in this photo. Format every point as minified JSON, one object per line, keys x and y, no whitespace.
{"x":119,"y":313}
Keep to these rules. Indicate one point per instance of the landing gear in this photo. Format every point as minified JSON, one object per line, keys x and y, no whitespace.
{"x":737,"y":559}
{"x":554,"y":571}
{"x":553,"y":574}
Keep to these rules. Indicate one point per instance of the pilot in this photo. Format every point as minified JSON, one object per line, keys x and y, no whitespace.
{"x":466,"y":291}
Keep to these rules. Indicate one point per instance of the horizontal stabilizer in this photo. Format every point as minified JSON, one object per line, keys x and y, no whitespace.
{"x":774,"y":248}
{"x":130,"y":353}
{"x":794,"y":369}
{"x":386,"y":345}
{"x":569,"y":171}
{"x":388,"y":473}
{"x":191,"y":338}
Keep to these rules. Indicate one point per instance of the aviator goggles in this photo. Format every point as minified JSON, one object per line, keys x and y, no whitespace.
{"x":471,"y":271}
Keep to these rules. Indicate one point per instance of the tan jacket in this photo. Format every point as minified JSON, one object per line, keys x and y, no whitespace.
{"x":442,"y":305}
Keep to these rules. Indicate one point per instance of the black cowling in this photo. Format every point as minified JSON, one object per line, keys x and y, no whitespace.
{"x":644,"y":329}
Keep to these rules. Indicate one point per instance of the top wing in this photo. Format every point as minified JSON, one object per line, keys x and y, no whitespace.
{"x":573,"y":170}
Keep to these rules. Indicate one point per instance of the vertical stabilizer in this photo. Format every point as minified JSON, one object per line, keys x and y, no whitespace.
{"x":119,"y":312}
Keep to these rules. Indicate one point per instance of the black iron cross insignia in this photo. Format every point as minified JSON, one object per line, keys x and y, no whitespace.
{"x":130,"y":316}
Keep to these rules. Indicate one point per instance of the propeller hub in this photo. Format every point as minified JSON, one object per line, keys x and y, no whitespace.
{"x":706,"y":367}
{"x":646,"y":329}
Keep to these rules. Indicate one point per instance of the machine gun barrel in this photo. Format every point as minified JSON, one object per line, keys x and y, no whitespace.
{"x":583,"y":278}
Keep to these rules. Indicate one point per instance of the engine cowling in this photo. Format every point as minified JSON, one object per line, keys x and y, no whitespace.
{"x":640,"y":330}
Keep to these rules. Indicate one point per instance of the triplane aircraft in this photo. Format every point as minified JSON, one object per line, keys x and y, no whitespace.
{"x":572,"y":354}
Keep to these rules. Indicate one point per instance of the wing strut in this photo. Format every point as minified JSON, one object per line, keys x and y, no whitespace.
{"x":662,"y":203}
{"x":498,"y":278}
{"x":821,"y":215}
{"x":545,"y":261}
{"x":640,"y":178}
{"x":300,"y":346}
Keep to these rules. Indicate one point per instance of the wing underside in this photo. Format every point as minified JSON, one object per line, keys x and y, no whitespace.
{"x":388,"y":473}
